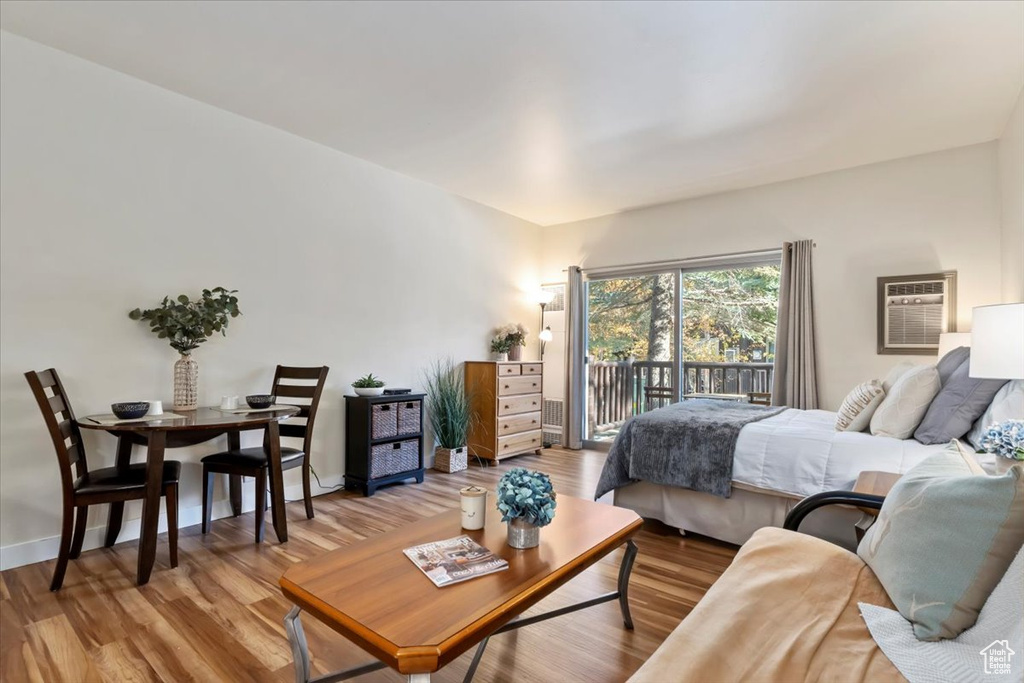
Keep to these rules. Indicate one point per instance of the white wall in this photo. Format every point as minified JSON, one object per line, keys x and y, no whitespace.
{"x":116,"y":192}
{"x":1011,"y":192}
{"x":922,"y":214}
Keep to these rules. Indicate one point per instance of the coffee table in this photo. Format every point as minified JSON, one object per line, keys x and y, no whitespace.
{"x":375,"y":596}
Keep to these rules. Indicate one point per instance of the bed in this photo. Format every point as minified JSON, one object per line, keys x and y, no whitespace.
{"x":778,"y":461}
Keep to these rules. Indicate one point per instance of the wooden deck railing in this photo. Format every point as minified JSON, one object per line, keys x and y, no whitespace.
{"x":617,"y":390}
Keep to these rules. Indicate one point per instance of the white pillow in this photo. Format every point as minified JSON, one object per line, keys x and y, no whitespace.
{"x":905,"y":405}
{"x":897,"y":371}
{"x":858,"y":407}
{"x":1007,"y":404}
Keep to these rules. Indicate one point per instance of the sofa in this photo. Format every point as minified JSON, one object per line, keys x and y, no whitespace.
{"x":785,"y":610}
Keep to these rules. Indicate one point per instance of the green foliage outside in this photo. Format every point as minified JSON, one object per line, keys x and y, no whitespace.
{"x":728,"y":316}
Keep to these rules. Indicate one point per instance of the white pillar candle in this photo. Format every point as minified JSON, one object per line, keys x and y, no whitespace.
{"x":474,"y":507}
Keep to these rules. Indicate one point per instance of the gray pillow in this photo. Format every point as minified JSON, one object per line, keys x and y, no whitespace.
{"x":948,"y":364}
{"x":960,"y":402}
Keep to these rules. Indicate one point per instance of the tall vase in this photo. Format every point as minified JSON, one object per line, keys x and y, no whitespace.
{"x":186,"y":383}
{"x":516,"y":352}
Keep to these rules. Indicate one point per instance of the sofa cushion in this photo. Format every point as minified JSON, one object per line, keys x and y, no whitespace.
{"x":858,"y":407}
{"x":1008,"y":404}
{"x":948,"y":364}
{"x":961,"y":401}
{"x":897,"y":371}
{"x":945,"y":535}
{"x":785,"y":610}
{"x":906,"y":403}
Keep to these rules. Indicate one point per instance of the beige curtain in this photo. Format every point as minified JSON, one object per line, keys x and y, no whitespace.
{"x":575,"y":357}
{"x":796,"y":376}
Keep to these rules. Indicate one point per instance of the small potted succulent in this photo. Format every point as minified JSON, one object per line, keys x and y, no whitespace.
{"x":500,"y":347}
{"x":526,"y":500}
{"x":368,"y":386}
{"x":511,"y":338}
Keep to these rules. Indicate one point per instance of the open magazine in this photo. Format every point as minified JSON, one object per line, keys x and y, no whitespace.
{"x":454,"y":559}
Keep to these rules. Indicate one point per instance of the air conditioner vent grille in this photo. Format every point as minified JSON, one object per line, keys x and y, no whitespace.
{"x":915,"y":288}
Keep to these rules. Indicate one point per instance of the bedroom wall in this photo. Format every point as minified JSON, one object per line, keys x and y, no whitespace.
{"x":921,"y":214}
{"x":116,"y":192}
{"x":1011,"y":194}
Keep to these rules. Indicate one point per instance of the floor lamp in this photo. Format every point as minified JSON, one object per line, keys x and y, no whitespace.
{"x":544,"y":297}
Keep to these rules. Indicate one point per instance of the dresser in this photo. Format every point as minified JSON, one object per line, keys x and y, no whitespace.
{"x":383,"y":440}
{"x":506,"y":398}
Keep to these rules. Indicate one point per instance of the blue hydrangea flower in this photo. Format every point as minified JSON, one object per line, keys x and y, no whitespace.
{"x":1005,"y":439}
{"x":526,"y":494}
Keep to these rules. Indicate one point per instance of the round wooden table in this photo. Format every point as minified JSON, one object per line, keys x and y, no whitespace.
{"x":194,"y":426}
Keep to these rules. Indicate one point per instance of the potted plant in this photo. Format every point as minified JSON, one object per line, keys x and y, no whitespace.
{"x":512,"y":338}
{"x":186,"y":324}
{"x":450,"y":412}
{"x":500,"y":347}
{"x":526,"y":500}
{"x":368,"y":386}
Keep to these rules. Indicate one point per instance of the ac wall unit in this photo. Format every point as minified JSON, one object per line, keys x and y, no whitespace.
{"x":914,"y":310}
{"x":551,"y":421}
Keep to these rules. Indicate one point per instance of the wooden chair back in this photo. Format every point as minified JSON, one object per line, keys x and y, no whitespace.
{"x":60,"y":421}
{"x":286,"y":387}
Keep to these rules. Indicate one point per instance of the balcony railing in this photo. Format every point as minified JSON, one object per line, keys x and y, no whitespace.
{"x":617,"y":390}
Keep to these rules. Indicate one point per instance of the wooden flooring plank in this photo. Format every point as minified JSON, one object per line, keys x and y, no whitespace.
{"x":218,"y":616}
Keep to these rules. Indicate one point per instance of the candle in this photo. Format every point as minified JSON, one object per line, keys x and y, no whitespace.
{"x":474,"y":505}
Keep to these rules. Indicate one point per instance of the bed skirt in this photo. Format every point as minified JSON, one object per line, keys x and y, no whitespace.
{"x":734,"y":519}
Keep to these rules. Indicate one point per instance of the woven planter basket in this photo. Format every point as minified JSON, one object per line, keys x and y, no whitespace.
{"x":450,"y":460}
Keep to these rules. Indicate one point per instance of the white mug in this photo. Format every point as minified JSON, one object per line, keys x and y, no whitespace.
{"x":228,"y":402}
{"x":155,"y":408}
{"x":474,"y":507}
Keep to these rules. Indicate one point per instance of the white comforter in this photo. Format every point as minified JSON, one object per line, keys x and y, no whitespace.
{"x":799,"y":452}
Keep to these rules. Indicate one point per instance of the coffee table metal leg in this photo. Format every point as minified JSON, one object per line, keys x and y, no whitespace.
{"x":300,"y":653}
{"x":624,"y":571}
{"x":418,"y":678}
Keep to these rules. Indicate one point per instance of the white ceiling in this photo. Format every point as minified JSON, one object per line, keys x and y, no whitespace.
{"x":559,"y":111}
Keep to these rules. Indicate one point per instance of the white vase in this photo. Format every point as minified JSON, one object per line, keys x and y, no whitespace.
{"x":369,"y":391}
{"x":501,"y":357}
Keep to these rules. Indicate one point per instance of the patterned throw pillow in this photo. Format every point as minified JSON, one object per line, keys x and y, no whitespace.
{"x":944,"y":538}
{"x":904,"y":406}
{"x":858,"y":407}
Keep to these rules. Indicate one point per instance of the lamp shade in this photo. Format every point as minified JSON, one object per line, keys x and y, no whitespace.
{"x":544,"y":297}
{"x":545,"y":335}
{"x":997,"y":342}
{"x":953,"y":340}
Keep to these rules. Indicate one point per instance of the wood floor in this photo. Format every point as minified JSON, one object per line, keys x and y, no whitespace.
{"x":218,"y":616}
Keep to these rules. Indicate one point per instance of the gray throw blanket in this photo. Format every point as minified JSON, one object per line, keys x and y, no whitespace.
{"x":688,"y":444}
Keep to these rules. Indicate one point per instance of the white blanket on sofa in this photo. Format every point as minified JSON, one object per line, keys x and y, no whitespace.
{"x":799,"y":452}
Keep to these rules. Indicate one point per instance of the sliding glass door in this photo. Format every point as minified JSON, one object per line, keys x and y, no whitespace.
{"x":654,"y":338}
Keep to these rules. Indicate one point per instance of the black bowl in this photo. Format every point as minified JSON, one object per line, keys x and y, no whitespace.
{"x":260,"y":400}
{"x":129,"y":410}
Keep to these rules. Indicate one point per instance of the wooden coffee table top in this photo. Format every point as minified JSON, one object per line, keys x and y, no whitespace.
{"x":371,"y":593}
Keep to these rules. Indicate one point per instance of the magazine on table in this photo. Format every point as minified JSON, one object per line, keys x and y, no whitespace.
{"x":454,"y":559}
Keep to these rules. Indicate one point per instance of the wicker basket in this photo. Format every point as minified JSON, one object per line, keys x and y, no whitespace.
{"x":384,"y":420}
{"x":409,"y":417}
{"x":450,"y":460}
{"x":391,"y":458}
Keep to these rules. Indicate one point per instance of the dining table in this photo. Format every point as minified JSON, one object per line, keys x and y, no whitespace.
{"x":187,"y":428}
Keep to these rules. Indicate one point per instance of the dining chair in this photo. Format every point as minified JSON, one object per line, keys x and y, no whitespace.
{"x":252,"y":462}
{"x":81,"y":486}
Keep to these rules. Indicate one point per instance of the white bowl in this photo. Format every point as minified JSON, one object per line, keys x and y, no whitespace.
{"x":369,"y":391}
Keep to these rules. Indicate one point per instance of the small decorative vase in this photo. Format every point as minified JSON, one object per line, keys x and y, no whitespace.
{"x":501,"y":357}
{"x":516,"y":352}
{"x":522,"y":534}
{"x":186,"y":383}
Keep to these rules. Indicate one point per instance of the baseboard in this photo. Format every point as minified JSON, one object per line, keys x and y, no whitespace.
{"x":19,"y":554}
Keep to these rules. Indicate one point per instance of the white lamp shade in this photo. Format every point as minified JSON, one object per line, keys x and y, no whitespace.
{"x":544,"y":297}
{"x":997,"y":342}
{"x":545,"y":335}
{"x":953,"y":340}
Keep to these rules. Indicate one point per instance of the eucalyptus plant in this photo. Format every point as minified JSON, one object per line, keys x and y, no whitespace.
{"x":449,"y":408}
{"x":186,"y":323}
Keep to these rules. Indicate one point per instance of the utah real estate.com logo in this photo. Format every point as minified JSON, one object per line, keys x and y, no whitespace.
{"x":997,"y":657}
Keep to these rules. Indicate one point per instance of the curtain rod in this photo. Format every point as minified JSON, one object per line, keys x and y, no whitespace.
{"x":669,"y":263}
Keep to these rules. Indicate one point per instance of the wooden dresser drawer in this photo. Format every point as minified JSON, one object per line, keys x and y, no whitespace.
{"x":533,"y":368}
{"x":506,"y":369}
{"x":528,"y":441}
{"x":510,"y":386}
{"x":513,"y":405}
{"x":513,"y":424}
